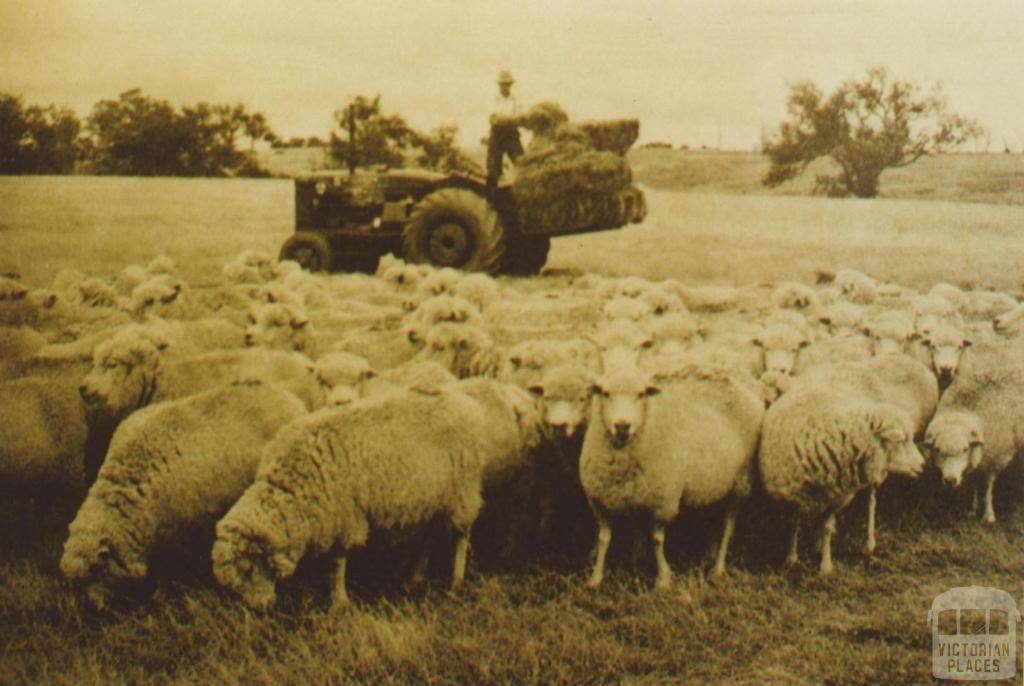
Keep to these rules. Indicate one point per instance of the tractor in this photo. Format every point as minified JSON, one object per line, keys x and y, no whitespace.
{"x":347,"y":220}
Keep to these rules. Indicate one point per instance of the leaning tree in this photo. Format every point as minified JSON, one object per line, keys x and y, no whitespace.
{"x":866,"y":126}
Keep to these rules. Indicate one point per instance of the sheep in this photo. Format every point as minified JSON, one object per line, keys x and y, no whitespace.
{"x":393,"y":461}
{"x":384,"y":349}
{"x":440,"y":308}
{"x":1010,"y":323}
{"x":693,"y":445}
{"x":400,"y":276}
{"x":162,"y":295}
{"x":20,"y":305}
{"x":17,"y":344}
{"x":942,"y":349}
{"x":172,"y":468}
{"x":856,"y":286}
{"x":676,"y":326}
{"x":526,"y":362}
{"x":987,"y":305}
{"x":889,"y":331}
{"x":704,"y":298}
{"x":564,"y":393}
{"x":464,"y":350}
{"x":162,"y":264}
{"x":42,"y":440}
{"x":341,"y":377}
{"x":831,"y":435}
{"x":480,"y":290}
{"x":250,"y":266}
{"x":281,"y":326}
{"x":952,"y":294}
{"x":626,"y":308}
{"x":978,"y":429}
{"x":93,"y":292}
{"x":129,"y":278}
{"x":422,"y":375}
{"x":796,"y":296}
{"x":842,"y":318}
{"x":931,"y":311}
{"x":780,"y":343}
{"x":132,"y":370}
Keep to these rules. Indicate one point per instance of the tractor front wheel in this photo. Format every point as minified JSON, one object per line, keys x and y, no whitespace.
{"x":455,"y":227}
{"x":310,"y":250}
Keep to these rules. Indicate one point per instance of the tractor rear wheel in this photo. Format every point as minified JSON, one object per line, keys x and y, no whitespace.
{"x":455,"y":227}
{"x":525,"y":255}
{"x":310,"y":250}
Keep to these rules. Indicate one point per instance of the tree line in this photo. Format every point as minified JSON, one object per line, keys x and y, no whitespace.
{"x":138,"y":135}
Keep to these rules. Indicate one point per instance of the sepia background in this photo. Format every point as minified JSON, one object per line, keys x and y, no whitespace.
{"x":709,"y":83}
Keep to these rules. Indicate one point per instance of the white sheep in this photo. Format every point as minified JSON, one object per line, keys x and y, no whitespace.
{"x":830,"y":436}
{"x":42,"y":440}
{"x":129,"y":278}
{"x":780,"y":342}
{"x":479,"y":289}
{"x":132,"y":370}
{"x":341,"y":377}
{"x":796,"y":296}
{"x":978,"y":429}
{"x":564,"y":393}
{"x":856,"y":286}
{"x":163,"y":295}
{"x":17,"y":343}
{"x":629,"y":309}
{"x":171,"y":469}
{"x":162,"y":264}
{"x":890,"y":331}
{"x":987,"y":305}
{"x":1010,"y":323}
{"x":692,"y":445}
{"x":394,"y":460}
{"x":282,"y":327}
{"x":842,"y":318}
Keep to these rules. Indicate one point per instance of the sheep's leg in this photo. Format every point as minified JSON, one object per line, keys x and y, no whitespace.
{"x":975,"y":502}
{"x":461,"y":553}
{"x":664,"y":579}
{"x":990,"y":513}
{"x":869,"y":546}
{"x":727,"y":530}
{"x":793,"y":556}
{"x":828,"y":529}
{"x":604,"y":539}
{"x":339,"y":596}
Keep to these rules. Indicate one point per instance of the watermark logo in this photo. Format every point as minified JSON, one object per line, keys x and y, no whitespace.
{"x":974,"y":634}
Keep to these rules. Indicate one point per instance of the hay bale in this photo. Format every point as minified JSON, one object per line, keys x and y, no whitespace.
{"x":614,"y":135}
{"x":590,"y":210}
{"x":559,"y":170}
{"x":543,"y":118}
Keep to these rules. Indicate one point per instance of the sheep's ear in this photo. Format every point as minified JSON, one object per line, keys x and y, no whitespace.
{"x":596,"y":389}
{"x":652,"y":390}
{"x":866,"y":330}
{"x":804,"y":342}
{"x":299,"y":323}
{"x":537,"y":390}
{"x":913,"y":336}
{"x":967,"y":342}
{"x":825,"y":319}
{"x":516,"y":361}
{"x":757,"y":341}
{"x":369,"y":374}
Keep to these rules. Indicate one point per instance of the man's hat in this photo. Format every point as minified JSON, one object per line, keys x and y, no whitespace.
{"x":505,"y":77}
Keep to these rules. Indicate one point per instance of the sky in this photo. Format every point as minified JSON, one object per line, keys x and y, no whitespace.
{"x":695,"y":72}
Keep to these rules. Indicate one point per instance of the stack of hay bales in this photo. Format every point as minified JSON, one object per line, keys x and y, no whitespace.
{"x":576,"y":176}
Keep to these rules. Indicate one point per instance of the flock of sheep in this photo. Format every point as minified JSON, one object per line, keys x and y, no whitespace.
{"x":304,"y":414}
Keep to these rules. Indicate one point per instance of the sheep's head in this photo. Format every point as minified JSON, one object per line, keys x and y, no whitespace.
{"x":401,"y":276}
{"x":945,"y":346}
{"x":243,"y":567}
{"x":780,"y":347}
{"x":621,"y":395}
{"x":93,"y":564}
{"x":955,"y":442}
{"x":892,"y":429}
{"x":124,"y":371}
{"x":564,"y":394}
{"x":1007,"y":321}
{"x":279,"y":326}
{"x":340,"y":377}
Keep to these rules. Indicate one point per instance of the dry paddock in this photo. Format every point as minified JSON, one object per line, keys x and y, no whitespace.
{"x":535,"y":623}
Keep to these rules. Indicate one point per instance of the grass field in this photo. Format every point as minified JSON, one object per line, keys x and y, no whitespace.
{"x":537,"y":624}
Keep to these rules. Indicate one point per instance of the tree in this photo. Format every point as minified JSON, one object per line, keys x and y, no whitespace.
{"x":369,"y":136}
{"x":440,"y":152}
{"x":142,"y":136}
{"x":866,"y":126}
{"x":35,"y":139}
